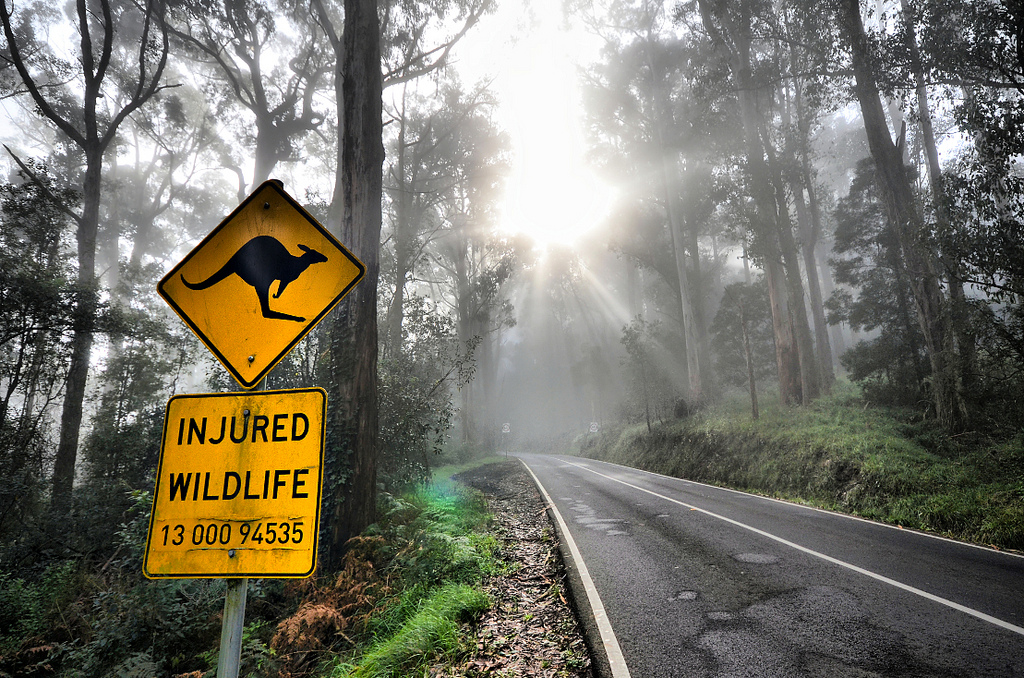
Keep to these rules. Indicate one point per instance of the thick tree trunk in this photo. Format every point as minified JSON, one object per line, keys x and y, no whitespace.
{"x":786,"y":357}
{"x":898,"y":195}
{"x":690,"y":335}
{"x":265,"y":153}
{"x":809,"y":238}
{"x":354,"y":340}
{"x":809,"y":378}
{"x":733,"y":36}
{"x":809,"y":220}
{"x":767,"y":227}
{"x":828,"y":286}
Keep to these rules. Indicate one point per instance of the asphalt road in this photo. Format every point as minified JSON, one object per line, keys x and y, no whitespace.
{"x":701,"y":581}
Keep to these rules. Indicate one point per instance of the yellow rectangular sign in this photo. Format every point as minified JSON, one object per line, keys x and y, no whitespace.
{"x":238,"y":486}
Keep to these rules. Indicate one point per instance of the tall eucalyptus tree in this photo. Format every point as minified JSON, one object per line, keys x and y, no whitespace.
{"x":364,"y":42}
{"x":85,"y":93}
{"x":732,"y":28}
{"x":897,"y":191}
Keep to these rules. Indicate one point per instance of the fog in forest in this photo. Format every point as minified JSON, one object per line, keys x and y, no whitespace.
{"x":592,"y":216}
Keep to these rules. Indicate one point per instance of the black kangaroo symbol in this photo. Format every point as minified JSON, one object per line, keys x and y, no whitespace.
{"x":260,"y":262}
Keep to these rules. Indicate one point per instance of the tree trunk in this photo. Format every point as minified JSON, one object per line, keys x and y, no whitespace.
{"x":810,"y":377}
{"x":959,"y":320}
{"x":751,"y":383}
{"x":766,"y":226}
{"x":677,"y":230}
{"x":786,"y":356}
{"x":354,"y":340}
{"x":809,"y":238}
{"x":81,"y":343}
{"x":697,"y":287}
{"x":401,"y":234}
{"x":809,"y":220}
{"x":809,"y":384}
{"x":898,"y":196}
{"x":828,"y":286}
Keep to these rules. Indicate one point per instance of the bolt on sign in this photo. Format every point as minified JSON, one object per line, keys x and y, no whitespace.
{"x":259,"y":282}
{"x":238,"y":486}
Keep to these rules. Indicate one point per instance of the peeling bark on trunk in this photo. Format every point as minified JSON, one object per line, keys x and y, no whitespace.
{"x":354,"y":335}
{"x":766,"y":226}
{"x":958,"y":312}
{"x":898,"y":196}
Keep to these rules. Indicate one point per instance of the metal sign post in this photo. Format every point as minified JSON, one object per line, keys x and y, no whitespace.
{"x":232,"y":625}
{"x":239,"y":478}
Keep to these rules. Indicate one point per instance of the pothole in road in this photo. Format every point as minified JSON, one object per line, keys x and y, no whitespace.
{"x":757,"y":558}
{"x":683,"y":595}
{"x":721,"y":616}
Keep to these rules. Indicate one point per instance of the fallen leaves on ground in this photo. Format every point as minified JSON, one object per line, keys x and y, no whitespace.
{"x":530,"y":629}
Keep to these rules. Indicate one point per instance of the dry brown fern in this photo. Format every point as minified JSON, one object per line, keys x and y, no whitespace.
{"x":331,"y":611}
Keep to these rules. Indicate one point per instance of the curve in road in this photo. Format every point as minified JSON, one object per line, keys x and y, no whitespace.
{"x":703,"y":581}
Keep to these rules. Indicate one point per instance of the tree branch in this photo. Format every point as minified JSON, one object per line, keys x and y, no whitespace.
{"x":43,"y":187}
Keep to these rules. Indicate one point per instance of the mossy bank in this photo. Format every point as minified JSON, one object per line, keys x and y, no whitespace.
{"x":885,"y":464}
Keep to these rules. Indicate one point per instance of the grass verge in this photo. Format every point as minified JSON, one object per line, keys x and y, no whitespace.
{"x":433,"y":631}
{"x":430,"y":551}
{"x":880,"y":463}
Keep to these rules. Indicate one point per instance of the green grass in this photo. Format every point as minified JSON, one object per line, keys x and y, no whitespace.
{"x":439,"y":546}
{"x":432,"y":631}
{"x":884,"y":464}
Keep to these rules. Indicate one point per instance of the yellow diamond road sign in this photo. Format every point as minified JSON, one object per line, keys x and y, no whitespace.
{"x":238,"y":486}
{"x":259,"y":282}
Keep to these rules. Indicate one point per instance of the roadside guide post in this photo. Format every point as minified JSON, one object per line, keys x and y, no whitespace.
{"x":506,"y":428}
{"x":239,"y":477}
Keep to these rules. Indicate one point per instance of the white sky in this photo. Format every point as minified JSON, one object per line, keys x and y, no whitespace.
{"x":533,"y":58}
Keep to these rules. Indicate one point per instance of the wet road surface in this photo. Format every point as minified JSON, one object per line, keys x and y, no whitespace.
{"x":701,"y":581}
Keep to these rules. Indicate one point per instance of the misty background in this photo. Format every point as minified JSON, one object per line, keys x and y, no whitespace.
{"x":593,"y":214}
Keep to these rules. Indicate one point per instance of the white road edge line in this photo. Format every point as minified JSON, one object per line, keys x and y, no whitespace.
{"x":616,"y":661}
{"x":838,"y":514}
{"x":835,"y":561}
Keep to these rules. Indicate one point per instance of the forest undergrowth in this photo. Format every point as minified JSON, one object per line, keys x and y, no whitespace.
{"x":399,"y":603}
{"x":839,"y":453}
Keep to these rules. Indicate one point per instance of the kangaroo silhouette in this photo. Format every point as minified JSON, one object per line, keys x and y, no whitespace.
{"x":259,"y":263}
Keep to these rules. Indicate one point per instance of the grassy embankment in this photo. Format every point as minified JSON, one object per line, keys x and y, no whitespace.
{"x":881,"y":463}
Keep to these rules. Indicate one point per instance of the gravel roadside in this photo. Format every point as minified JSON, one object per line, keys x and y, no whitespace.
{"x":531,"y":629}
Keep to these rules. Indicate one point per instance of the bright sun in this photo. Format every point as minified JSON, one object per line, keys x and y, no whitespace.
{"x":552,"y":196}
